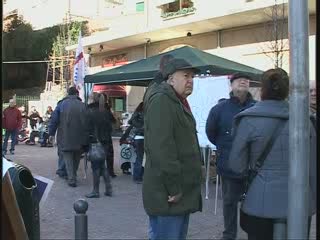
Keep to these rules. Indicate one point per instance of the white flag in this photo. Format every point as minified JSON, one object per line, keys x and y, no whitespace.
{"x":80,"y":69}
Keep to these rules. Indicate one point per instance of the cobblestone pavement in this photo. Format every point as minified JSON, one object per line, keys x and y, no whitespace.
{"x":119,"y":217}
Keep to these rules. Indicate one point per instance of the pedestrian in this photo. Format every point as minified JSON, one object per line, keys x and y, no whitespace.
{"x":11,"y":122}
{"x":261,"y":144}
{"x":159,"y":75}
{"x":110,"y":154}
{"x":61,"y":171}
{"x":218,"y":130}
{"x":138,"y":131}
{"x":172,"y":177}
{"x":36,"y":132}
{"x":33,"y":117}
{"x":313,"y":102}
{"x":44,"y":133}
{"x":69,"y":119}
{"x":99,"y":130}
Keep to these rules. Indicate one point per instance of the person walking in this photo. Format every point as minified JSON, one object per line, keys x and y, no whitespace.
{"x":69,"y":118}
{"x":110,"y":154}
{"x":62,"y":170}
{"x":172,"y":178}
{"x":99,"y":130}
{"x":138,"y":130}
{"x":11,"y":122}
{"x":218,"y":130}
{"x":260,"y":149}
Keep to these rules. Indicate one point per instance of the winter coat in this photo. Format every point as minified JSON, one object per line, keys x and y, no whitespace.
{"x":218,"y":128}
{"x":98,"y":124}
{"x":137,"y":122}
{"x":34,"y":116}
{"x":11,"y":118}
{"x":267,"y":195}
{"x":69,"y":119}
{"x":173,"y":162}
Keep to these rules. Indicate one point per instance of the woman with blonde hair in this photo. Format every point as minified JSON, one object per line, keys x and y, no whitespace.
{"x":99,"y":130}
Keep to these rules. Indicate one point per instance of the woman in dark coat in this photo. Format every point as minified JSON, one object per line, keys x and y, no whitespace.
{"x":110,"y":154}
{"x":266,"y":200}
{"x":99,"y":129}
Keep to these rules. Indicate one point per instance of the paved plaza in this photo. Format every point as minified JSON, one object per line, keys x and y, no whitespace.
{"x":119,"y":217}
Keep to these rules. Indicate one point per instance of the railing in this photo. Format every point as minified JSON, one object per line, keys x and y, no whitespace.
{"x":23,"y":100}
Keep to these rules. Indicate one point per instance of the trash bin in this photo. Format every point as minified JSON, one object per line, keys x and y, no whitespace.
{"x":25,"y":188}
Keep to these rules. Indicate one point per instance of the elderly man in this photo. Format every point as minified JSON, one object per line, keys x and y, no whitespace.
{"x":68,"y":118}
{"x":11,"y":122}
{"x":218,"y":129}
{"x":172,"y":177}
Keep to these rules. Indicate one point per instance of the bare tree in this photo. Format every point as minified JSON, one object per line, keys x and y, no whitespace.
{"x":277,"y":32}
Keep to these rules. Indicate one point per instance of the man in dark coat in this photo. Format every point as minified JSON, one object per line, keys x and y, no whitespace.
{"x":172,"y":178}
{"x":69,"y":119}
{"x":218,"y":129}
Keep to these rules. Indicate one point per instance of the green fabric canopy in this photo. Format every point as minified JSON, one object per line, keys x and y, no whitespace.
{"x":141,"y":72}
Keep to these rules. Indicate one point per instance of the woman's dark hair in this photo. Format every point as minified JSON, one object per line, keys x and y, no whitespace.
{"x":274,"y":84}
{"x":139,"y":108}
{"x":164,"y":60}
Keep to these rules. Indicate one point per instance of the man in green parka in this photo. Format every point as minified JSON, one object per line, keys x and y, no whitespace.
{"x":172,"y":177}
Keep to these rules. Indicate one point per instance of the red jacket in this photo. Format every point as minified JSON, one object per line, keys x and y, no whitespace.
{"x":11,"y":118}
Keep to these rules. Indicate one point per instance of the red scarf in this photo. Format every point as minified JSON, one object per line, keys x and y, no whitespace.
{"x":184,"y":101}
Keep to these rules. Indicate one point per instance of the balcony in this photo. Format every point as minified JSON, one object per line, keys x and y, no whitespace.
{"x":176,"y":9}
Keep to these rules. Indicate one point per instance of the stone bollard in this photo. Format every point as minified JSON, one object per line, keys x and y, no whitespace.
{"x":81,"y":219}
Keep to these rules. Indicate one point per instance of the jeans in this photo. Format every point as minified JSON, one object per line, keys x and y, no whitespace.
{"x":138,"y":169}
{"x":10,"y":133}
{"x":72,"y":160}
{"x":61,"y":163}
{"x":231,"y":193}
{"x":168,"y":227}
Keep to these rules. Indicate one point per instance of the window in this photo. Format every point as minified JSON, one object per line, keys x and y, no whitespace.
{"x":177,"y":5}
{"x":139,"y":6}
{"x":177,"y":8}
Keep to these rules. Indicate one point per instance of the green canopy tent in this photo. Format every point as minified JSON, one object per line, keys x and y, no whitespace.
{"x":141,"y":72}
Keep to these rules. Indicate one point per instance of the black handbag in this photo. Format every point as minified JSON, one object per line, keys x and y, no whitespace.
{"x":96,"y":151}
{"x":252,"y":172}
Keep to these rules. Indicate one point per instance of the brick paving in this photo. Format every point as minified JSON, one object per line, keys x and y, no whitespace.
{"x":119,"y":217}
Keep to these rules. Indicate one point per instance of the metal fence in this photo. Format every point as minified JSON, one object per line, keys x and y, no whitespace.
{"x":23,"y":100}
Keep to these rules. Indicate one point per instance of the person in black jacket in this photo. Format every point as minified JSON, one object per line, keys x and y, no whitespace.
{"x":138,"y":130}
{"x":110,"y":153}
{"x":99,"y":129}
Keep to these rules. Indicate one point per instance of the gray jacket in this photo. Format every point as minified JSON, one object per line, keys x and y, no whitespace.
{"x":267,"y":195}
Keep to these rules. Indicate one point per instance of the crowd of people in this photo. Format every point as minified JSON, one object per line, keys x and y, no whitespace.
{"x":21,"y":127}
{"x":252,"y":140}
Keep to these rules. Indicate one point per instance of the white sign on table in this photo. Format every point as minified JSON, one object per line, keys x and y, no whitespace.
{"x":206,"y":93}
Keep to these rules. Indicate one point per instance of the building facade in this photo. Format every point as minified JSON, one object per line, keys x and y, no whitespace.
{"x":239,"y":30}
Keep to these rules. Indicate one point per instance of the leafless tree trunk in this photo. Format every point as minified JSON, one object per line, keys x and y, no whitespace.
{"x":277,"y":29}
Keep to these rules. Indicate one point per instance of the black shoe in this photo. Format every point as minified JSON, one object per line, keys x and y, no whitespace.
{"x":12,"y":152}
{"x":108,"y":194}
{"x":138,"y":181}
{"x":93,"y":195}
{"x":113,"y":175}
{"x":72,"y":184}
